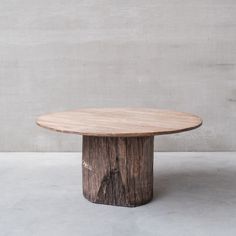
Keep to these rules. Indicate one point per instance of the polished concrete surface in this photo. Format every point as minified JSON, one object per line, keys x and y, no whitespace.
{"x":40,"y":194}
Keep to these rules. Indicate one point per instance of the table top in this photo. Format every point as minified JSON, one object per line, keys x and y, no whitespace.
{"x":120,"y":122}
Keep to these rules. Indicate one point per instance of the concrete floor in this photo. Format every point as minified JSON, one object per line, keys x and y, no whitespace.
{"x":40,"y":194}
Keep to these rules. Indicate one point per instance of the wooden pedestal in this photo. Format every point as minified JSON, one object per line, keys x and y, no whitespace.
{"x":118,"y":170}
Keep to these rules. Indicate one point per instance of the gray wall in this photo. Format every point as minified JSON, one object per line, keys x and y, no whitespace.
{"x":60,"y":55}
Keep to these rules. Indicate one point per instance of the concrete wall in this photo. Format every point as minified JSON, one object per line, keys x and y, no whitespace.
{"x":59,"y":55}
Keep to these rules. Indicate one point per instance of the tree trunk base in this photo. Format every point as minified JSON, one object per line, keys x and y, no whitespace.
{"x":118,"y":170}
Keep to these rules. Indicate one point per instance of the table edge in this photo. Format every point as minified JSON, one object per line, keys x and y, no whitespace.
{"x":153,"y":133}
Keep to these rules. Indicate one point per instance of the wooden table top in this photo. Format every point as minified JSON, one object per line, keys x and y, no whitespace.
{"x":120,"y":122}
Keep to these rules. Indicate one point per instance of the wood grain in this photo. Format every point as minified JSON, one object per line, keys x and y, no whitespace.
{"x":118,"y":171}
{"x":120,"y":122}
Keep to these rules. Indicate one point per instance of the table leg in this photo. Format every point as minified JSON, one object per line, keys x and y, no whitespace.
{"x":118,"y":170}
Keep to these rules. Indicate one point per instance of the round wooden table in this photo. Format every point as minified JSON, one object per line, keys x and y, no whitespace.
{"x":118,"y":148}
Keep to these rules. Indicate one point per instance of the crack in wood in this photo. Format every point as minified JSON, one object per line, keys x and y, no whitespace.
{"x":112,"y":190}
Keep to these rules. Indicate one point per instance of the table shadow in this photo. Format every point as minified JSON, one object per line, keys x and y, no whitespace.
{"x":217,"y":185}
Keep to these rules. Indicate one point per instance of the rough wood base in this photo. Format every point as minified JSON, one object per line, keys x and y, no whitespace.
{"x":118,"y":171}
